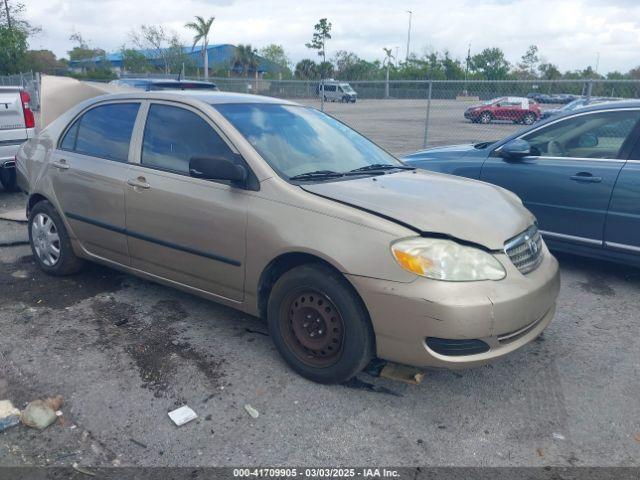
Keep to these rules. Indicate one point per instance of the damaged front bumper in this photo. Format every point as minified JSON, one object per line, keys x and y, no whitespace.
{"x":430,"y":323}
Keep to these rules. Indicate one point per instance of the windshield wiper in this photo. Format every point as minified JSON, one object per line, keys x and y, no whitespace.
{"x":316,"y":174}
{"x":379,"y":167}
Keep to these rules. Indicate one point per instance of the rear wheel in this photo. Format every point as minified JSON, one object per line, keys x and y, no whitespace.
{"x":485,"y":117}
{"x":528,"y":119}
{"x":8,"y":179}
{"x":319,"y":324}
{"x":50,"y":242}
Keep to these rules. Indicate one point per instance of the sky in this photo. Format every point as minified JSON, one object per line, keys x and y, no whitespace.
{"x":570,"y":33}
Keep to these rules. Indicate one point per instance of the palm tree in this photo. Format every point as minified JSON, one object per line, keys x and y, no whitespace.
{"x":247,"y":57}
{"x":202,"y":27}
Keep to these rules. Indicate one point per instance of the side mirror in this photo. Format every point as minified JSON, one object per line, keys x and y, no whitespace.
{"x":515,"y":149}
{"x":587,"y":140}
{"x":217,"y":168}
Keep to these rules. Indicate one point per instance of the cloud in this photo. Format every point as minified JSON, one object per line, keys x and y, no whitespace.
{"x":569,"y":33}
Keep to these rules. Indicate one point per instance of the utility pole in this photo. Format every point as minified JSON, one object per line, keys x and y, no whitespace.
{"x":397,"y":58}
{"x":597,"y":61}
{"x":408,"y":36}
{"x":6,"y":7}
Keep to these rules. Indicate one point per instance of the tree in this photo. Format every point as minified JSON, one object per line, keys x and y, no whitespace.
{"x":82,"y":51}
{"x":42,"y":61}
{"x":276,"y":54}
{"x":202,"y":27}
{"x":549,"y":71}
{"x":491,"y":64}
{"x":306,"y":69}
{"x":318,"y":42}
{"x":530,"y":60}
{"x":163,"y":47}
{"x":13,"y":48}
{"x":246,"y":57}
{"x":133,"y":61}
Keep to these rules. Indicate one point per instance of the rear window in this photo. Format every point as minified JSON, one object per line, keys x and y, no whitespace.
{"x":104,"y":131}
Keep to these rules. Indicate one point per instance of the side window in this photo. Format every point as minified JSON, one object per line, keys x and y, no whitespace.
{"x":173,"y":135}
{"x":596,"y":135}
{"x":105,"y":131}
{"x":69,"y":140}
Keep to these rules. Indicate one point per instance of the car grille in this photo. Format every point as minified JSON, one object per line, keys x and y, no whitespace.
{"x":525,"y":249}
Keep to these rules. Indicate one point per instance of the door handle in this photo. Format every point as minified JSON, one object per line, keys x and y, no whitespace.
{"x":61,"y":164}
{"x":139,"y":182}
{"x":585,"y":177}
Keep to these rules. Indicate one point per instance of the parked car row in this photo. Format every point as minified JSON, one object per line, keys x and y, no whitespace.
{"x":552,"y":97}
{"x":577,"y":103}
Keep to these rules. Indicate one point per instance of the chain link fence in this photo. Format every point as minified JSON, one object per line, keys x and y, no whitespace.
{"x":30,"y":81}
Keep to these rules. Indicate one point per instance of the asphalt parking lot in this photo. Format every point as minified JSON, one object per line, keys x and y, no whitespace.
{"x":123,"y":352}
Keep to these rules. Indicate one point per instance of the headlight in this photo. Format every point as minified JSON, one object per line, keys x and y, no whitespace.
{"x":447,"y":260}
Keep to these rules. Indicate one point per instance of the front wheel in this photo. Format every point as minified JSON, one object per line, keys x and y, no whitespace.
{"x":50,"y":241}
{"x":528,"y":119}
{"x":319,"y":324}
{"x":485,"y":117}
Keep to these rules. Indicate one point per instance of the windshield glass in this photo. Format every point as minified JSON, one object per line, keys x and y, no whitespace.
{"x":347,"y":88}
{"x":573,"y":105}
{"x":295,"y":140}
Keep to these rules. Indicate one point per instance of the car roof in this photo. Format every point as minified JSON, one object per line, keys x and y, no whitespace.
{"x":213,"y":98}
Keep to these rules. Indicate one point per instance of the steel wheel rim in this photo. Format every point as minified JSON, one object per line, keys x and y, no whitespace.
{"x":45,"y":239}
{"x":312,"y":328}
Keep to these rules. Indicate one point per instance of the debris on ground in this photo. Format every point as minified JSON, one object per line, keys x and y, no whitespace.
{"x":140,"y":444}
{"x":41,"y":413}
{"x":78,"y":468}
{"x":251,"y":411}
{"x":182,"y":415}
{"x":9,"y":415}
{"x":636,"y":437}
{"x":402,"y":373}
{"x":557,"y":436}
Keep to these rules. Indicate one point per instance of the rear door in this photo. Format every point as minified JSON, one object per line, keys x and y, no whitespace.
{"x":188,"y":230}
{"x":88,"y":174}
{"x":568,"y":181}
{"x":622,"y":229}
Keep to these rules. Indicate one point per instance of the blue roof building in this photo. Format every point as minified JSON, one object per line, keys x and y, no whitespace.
{"x":220,"y":56}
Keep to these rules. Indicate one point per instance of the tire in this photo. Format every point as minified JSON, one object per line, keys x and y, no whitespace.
{"x":528,"y":119}
{"x":485,"y":118}
{"x":54,"y":257}
{"x":8,"y":179}
{"x":343,"y":343}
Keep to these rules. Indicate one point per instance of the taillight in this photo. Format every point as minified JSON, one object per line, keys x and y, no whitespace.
{"x":29,"y":119}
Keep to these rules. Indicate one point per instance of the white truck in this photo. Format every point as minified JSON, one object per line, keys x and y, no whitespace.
{"x":17,"y":125}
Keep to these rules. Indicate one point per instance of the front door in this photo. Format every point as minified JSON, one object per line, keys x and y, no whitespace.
{"x":185,"y":229}
{"x":89,"y":172}
{"x":568,"y":180}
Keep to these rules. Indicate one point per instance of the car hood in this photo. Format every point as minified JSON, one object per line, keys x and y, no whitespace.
{"x":436,"y":203}
{"x":451,"y":151}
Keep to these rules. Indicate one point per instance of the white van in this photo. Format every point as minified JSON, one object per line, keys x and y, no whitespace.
{"x":335,"y":91}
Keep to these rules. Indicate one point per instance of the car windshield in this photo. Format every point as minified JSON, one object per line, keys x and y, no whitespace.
{"x":297,"y":140}
{"x":181,"y":86}
{"x":347,"y":88}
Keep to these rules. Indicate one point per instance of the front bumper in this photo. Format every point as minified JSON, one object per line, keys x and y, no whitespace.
{"x":505,"y":314}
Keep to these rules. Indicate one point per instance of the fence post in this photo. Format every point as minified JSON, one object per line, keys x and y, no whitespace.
{"x":426,"y":120}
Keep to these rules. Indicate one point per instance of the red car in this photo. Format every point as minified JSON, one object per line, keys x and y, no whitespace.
{"x":514,"y":109}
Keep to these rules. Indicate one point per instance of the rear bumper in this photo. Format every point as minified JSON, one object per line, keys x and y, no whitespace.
{"x":505,"y":315}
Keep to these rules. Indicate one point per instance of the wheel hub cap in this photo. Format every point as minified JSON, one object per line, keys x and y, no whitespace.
{"x":45,"y":239}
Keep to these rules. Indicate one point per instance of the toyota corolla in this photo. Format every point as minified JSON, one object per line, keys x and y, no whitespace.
{"x":283,"y":212}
